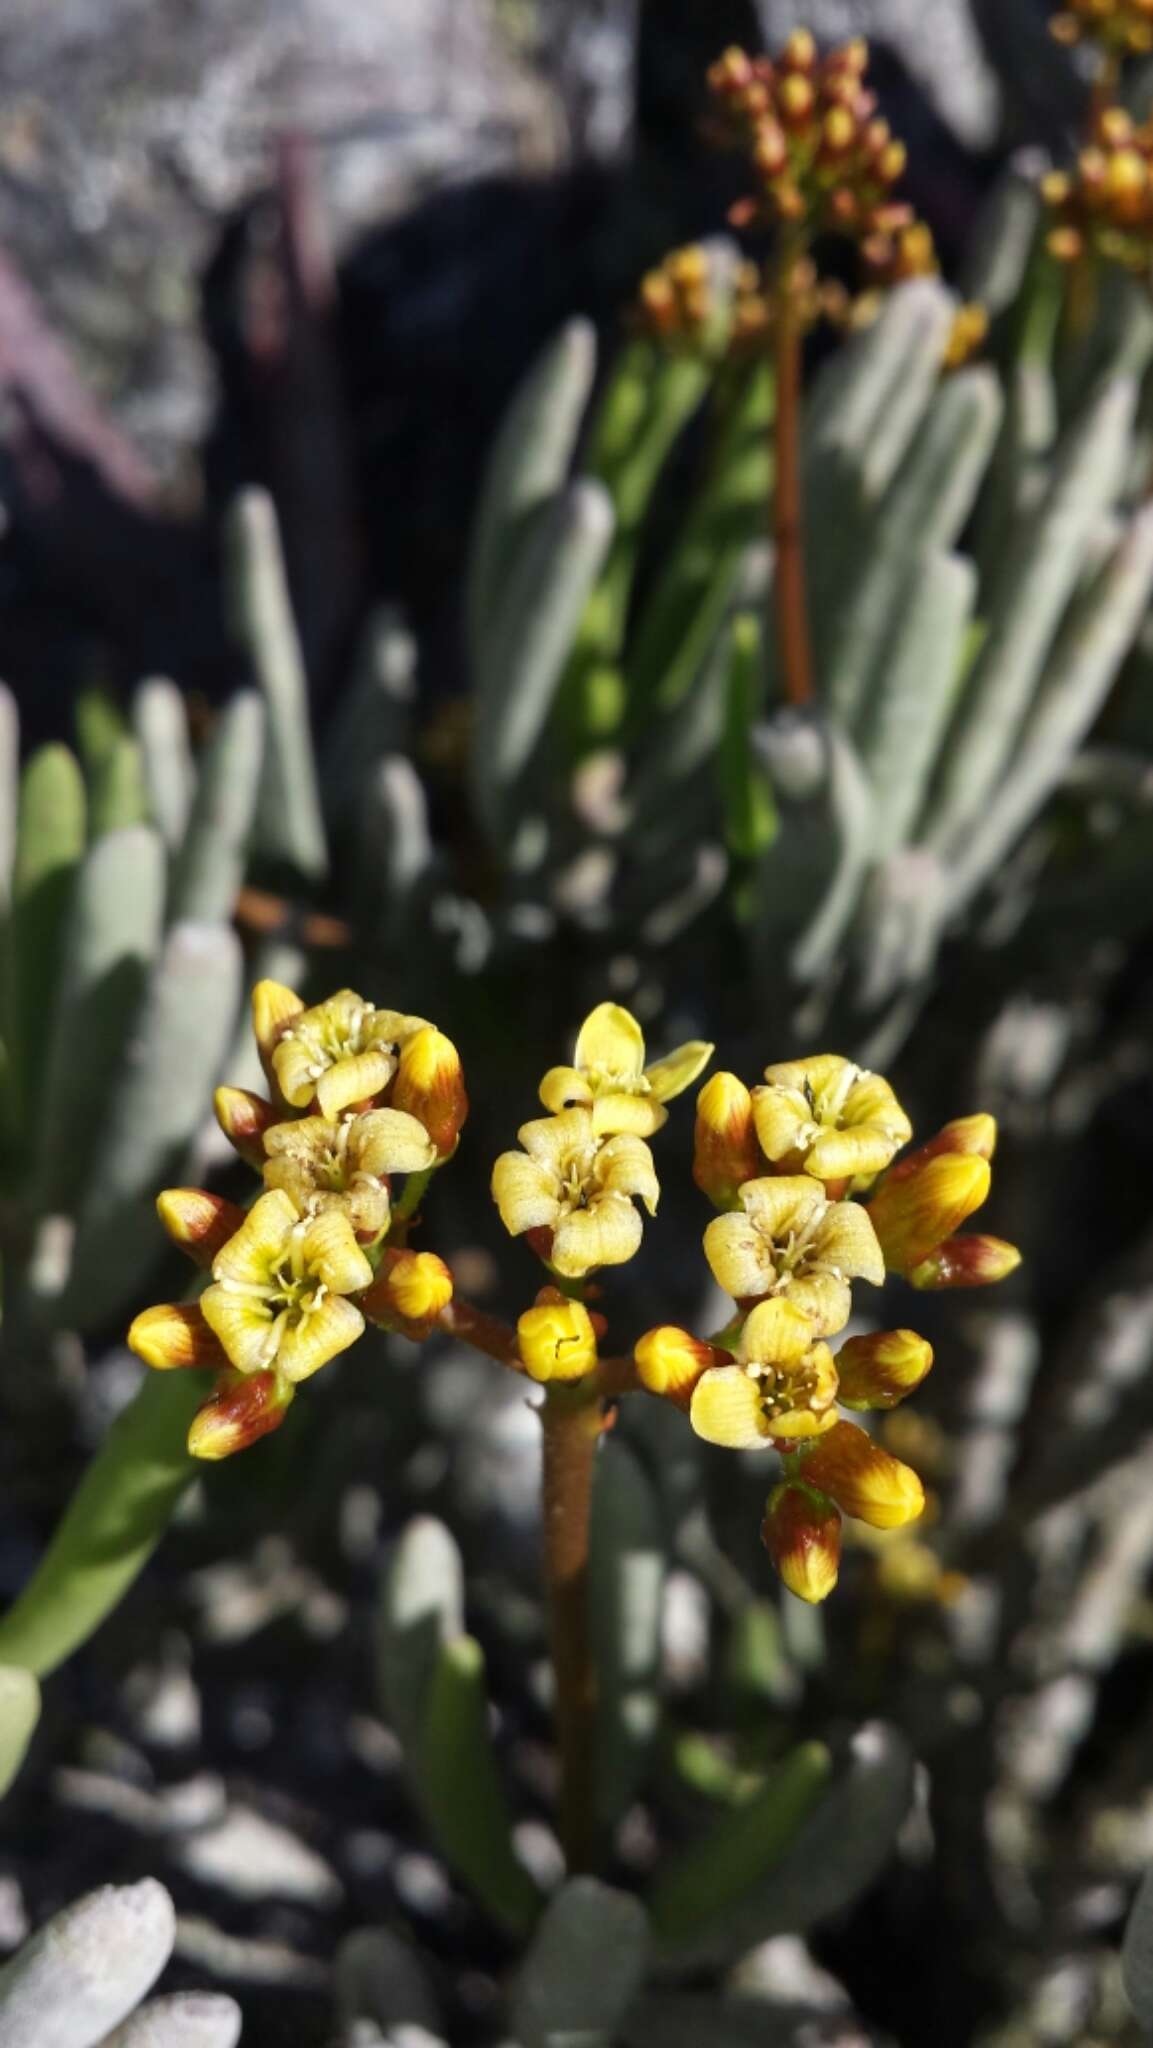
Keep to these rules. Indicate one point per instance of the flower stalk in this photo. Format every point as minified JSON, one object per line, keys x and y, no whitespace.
{"x":572,"y":1424}
{"x":790,"y":598}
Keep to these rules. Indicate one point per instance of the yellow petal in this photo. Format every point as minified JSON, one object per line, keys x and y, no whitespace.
{"x":606,"y":1234}
{"x":563,"y":1086}
{"x":739,"y":1257}
{"x":781,"y":1204}
{"x":840,"y":1155}
{"x":330,"y":1251}
{"x":525,"y":1192}
{"x":390,"y":1141}
{"x":775,"y":1330}
{"x":313,"y":1339}
{"x":611,"y":1040}
{"x":727,"y":1409}
{"x":353,"y":1080}
{"x":824,"y":1298}
{"x":783,"y":1118}
{"x":625,"y":1165}
{"x":294,"y":1066}
{"x":262,"y":1240}
{"x":639,"y":1115}
{"x":302,"y":1137}
{"x":678,"y":1070}
{"x":554,"y":1140}
{"x":871,"y":1101}
{"x":847,"y":1241}
{"x":245,"y":1325}
{"x":273,"y":1008}
{"x":821,"y":1075}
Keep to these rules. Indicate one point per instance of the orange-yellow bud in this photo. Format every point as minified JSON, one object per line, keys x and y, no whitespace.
{"x":200,"y":1223}
{"x":838,"y":131}
{"x":670,"y":1361}
{"x":972,"y":1261}
{"x":879,"y":1370}
{"x":802,"y":1534}
{"x":245,"y":1407}
{"x":725,"y":1149}
{"x":244,"y":1118}
{"x":912,"y":1213}
{"x":556,"y":1339}
{"x":800,"y":50}
{"x":430,"y":1086}
{"x":864,"y":1480}
{"x":796,"y":100}
{"x":974,"y":1135}
{"x":174,"y":1334}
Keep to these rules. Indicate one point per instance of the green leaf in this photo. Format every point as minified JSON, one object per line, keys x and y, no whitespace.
{"x":751,"y":821}
{"x":420,"y":1608}
{"x":461,"y":1790}
{"x":19,"y":1713}
{"x":49,"y":843}
{"x":586,"y":1964}
{"x":209,"y":869}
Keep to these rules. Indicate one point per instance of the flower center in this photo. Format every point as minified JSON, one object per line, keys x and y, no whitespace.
{"x":784,"y":1388}
{"x":617,"y":1081}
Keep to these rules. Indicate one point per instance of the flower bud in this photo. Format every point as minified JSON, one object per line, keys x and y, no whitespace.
{"x":244,"y":1118}
{"x":800,"y":51}
{"x":556,"y":1339}
{"x":273,"y":1008}
{"x":198,"y":1222}
{"x":174,"y":1334}
{"x":838,"y":131}
{"x":971,"y":1261}
{"x":795,"y":100}
{"x":864,"y":1480}
{"x":245,"y":1406}
{"x":802,"y":1534}
{"x":725,"y":1149}
{"x":912,"y":1213}
{"x":430,"y":1086}
{"x":879,"y":1370}
{"x":976,"y":1136}
{"x":413,"y":1285}
{"x":670,"y":1362}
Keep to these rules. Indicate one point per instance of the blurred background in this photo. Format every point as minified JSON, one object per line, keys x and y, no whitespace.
{"x":311,"y":250}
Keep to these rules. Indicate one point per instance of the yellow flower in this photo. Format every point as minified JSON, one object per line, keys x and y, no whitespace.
{"x":245,"y":1406}
{"x":339,"y":1052}
{"x":341,"y":1162}
{"x":578,"y":1186}
{"x":788,"y":1239}
{"x":802,"y":1534}
{"x":864,"y":1480}
{"x":556,"y":1340}
{"x":279,"y":1298}
{"x":781,"y":1387}
{"x":829,"y":1118}
{"x":609,"y":1075}
{"x":725,"y":1149}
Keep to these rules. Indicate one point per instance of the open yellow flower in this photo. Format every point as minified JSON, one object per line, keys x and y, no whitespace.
{"x":340,"y":1163}
{"x":578,"y":1185}
{"x":339,"y":1052}
{"x":280,"y":1288}
{"x":829,"y":1118}
{"x":781,"y":1387}
{"x":609,"y":1075}
{"x":788,"y":1239}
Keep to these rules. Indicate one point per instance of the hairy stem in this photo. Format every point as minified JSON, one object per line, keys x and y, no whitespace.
{"x":790,"y":604}
{"x":572,"y":1425}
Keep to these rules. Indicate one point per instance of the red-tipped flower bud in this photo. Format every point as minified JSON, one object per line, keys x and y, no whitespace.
{"x":971,"y":1261}
{"x":802,"y":1534}
{"x":879,"y":1370}
{"x":200,"y":1223}
{"x":244,"y":1118}
{"x":415,"y":1286}
{"x":912,"y":1213}
{"x":430,"y":1086}
{"x":174,"y":1335}
{"x":670,"y":1361}
{"x":725,"y":1149}
{"x":245,"y":1407}
{"x":864,"y":1480}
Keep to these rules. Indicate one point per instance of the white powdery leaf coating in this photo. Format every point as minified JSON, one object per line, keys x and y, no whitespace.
{"x":87,"y":1969}
{"x":190,"y":2019}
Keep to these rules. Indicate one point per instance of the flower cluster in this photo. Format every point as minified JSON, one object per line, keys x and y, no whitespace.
{"x":358,"y":1095}
{"x":1121,"y":28}
{"x":1105,"y":205}
{"x":675,"y":302}
{"x":788,"y":1164}
{"x":823,"y":160}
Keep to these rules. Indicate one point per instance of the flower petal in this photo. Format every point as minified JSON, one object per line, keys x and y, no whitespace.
{"x":782,"y":1117}
{"x":250,"y":1256}
{"x":525,"y":1192}
{"x":329,"y":1249}
{"x":638,"y":1115}
{"x":354,"y":1080}
{"x":678,"y":1070}
{"x":245,"y":1325}
{"x":782,"y":1203}
{"x":310,"y":1342}
{"x":390,"y":1141}
{"x":775,"y":1330}
{"x":554,"y":1139}
{"x":727,"y":1409}
{"x":273,"y":1009}
{"x":840,"y":1155}
{"x":606,"y":1234}
{"x":826,"y":1299}
{"x":739,"y":1257}
{"x":611,"y":1039}
{"x":822,"y":1074}
{"x":563,"y":1086}
{"x":848,"y":1243}
{"x":624,"y":1165}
